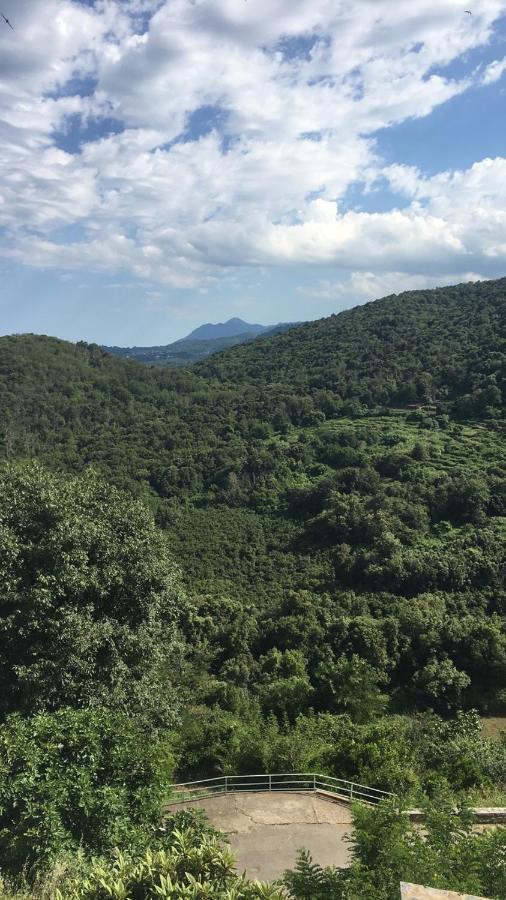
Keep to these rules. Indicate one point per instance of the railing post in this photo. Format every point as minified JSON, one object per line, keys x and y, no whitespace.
{"x":270,"y":782}
{"x":226,"y":783}
{"x":351,"y":791}
{"x":314,"y":782}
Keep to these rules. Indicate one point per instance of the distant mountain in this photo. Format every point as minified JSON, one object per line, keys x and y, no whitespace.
{"x":194,"y":348}
{"x":231,"y":328}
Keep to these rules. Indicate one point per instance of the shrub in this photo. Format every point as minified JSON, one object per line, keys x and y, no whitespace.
{"x":185,"y":869}
{"x":387,"y":848}
{"x":78,"y":778}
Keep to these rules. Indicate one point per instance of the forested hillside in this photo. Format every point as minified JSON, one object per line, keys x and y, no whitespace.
{"x":317,"y":583}
{"x":446,"y":344}
{"x":301,"y":488}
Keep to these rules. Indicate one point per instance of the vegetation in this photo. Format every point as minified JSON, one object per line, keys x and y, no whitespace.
{"x":88,"y":779}
{"x":415,"y":756}
{"x":188,"y":860}
{"x":388,"y":849}
{"x":444,"y":346}
{"x":90,"y":598}
{"x":186,"y":869}
{"x":288,"y":557}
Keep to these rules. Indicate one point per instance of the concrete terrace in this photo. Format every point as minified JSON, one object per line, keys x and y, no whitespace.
{"x":266,"y":831}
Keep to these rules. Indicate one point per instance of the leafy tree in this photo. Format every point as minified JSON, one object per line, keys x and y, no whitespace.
{"x":350,"y":686}
{"x":310,"y":881}
{"x":213,"y":741}
{"x":387,"y":849}
{"x":287,"y":689}
{"x":90,"y":598}
{"x":441,"y":682}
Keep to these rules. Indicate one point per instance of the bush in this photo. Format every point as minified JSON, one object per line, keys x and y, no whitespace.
{"x":78,"y":778}
{"x":387,"y":849}
{"x":190,"y":861}
{"x":185,"y":869}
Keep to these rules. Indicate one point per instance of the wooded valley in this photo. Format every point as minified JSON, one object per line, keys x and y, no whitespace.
{"x":287,"y":557}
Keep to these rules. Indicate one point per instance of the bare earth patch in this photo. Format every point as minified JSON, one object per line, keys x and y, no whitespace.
{"x":493,"y":726}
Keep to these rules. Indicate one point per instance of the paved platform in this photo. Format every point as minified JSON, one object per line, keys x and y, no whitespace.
{"x":417,"y":892}
{"x":266,"y":831}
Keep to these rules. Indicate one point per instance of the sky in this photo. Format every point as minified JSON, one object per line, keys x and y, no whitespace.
{"x":165,"y":163}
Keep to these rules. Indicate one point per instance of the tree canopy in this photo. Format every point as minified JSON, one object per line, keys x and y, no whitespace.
{"x":90,"y":597}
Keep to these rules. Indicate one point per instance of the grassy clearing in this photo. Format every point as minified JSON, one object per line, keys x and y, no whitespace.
{"x":493,"y":726}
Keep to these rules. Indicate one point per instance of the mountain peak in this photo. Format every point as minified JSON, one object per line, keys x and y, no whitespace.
{"x":230,"y":328}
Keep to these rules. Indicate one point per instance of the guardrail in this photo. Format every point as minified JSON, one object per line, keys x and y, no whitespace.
{"x":342,"y":789}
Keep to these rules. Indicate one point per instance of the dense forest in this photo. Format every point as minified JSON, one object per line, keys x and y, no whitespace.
{"x":442,"y":345}
{"x":287,"y":557}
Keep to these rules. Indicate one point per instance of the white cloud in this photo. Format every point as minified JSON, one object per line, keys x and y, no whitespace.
{"x":348,"y":240}
{"x":360,"y":286}
{"x":471,"y":202}
{"x":494,"y":71}
{"x":298,"y":88}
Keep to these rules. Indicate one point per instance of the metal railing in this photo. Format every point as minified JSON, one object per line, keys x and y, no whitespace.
{"x":285,"y":781}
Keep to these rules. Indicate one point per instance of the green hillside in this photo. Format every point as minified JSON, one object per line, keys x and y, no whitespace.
{"x":308,"y":577}
{"x":296,"y":471}
{"x":446,"y":344}
{"x":173,"y":434}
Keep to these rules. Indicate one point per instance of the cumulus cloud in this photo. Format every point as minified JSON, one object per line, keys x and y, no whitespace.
{"x":360,"y":286}
{"x":214,"y":134}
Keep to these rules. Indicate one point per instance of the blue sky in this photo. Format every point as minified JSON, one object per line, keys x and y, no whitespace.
{"x":169,"y":162}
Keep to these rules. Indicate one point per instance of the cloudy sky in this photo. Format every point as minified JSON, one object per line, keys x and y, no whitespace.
{"x":169,"y":162}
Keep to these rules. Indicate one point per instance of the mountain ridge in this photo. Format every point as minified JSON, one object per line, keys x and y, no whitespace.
{"x":188,"y":350}
{"x":231,"y":328}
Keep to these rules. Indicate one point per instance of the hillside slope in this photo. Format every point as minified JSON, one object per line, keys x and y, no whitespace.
{"x":315,"y":517}
{"x":447,"y":345}
{"x":77,"y":404}
{"x":435,"y":344}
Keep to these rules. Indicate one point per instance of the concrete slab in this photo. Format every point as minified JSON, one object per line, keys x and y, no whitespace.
{"x":417,"y":892}
{"x":266,"y":831}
